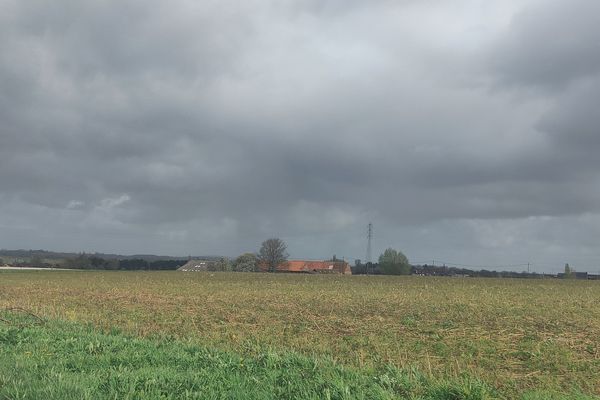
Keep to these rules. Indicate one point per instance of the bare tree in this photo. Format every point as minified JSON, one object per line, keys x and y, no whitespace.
{"x":272,"y":253}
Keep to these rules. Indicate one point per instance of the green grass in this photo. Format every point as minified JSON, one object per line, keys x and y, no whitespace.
{"x":67,"y":361}
{"x":529,"y":339}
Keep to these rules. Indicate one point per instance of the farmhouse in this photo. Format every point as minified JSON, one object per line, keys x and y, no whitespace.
{"x":313,"y":267}
{"x":197,"y":265}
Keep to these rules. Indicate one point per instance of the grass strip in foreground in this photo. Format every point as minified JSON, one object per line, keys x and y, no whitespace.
{"x":60,"y":360}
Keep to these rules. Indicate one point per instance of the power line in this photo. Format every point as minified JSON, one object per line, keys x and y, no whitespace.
{"x":454,"y":264}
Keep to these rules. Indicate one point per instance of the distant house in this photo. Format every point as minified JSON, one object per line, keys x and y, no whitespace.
{"x":197,"y":266}
{"x":574,"y":275}
{"x":581,"y":275}
{"x":312,"y":267}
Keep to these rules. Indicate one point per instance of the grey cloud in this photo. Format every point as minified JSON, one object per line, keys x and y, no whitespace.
{"x":573,"y":124}
{"x":550,"y":45}
{"x":187,"y":128}
{"x":133,"y":38}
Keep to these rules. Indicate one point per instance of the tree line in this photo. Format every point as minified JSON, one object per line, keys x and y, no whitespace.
{"x":94,"y":262}
{"x":392,"y":262}
{"x":272,"y":253}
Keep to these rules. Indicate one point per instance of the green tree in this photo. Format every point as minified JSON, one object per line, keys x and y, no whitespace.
{"x":111,"y":264}
{"x":393,"y":262}
{"x":37,"y":261}
{"x":247,"y":262}
{"x":569,"y":272}
{"x":272,"y":253}
{"x":82,"y":261}
{"x":222,"y":264}
{"x":97,"y":262}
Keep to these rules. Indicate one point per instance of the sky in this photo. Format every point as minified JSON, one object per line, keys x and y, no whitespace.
{"x":466,"y":131}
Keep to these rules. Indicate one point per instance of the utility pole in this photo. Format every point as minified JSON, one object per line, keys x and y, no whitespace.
{"x":369,"y":239}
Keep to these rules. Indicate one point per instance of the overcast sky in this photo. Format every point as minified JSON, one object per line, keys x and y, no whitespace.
{"x":467,"y":131}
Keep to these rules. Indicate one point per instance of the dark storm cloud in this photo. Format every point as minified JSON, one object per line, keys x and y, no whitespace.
{"x":573,"y":124}
{"x":555,"y":47}
{"x":206,"y":127}
{"x":551,"y":44}
{"x":126,"y":39}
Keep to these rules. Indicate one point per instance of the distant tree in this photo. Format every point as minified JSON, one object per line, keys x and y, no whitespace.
{"x":393,"y":262}
{"x":222,"y":264}
{"x":98,"y":262}
{"x":211,"y":266}
{"x":166,"y":264}
{"x":247,"y":262}
{"x":569,"y":272}
{"x":37,"y":261}
{"x":111,"y":264}
{"x":133,"y":264}
{"x":488,"y":274}
{"x":273,"y":253}
{"x":82,"y":261}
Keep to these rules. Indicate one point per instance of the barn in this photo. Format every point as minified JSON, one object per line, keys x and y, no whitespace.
{"x":197,"y":265}
{"x":313,"y":267}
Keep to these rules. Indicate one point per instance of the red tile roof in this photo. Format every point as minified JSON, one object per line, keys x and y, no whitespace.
{"x":340,"y":267}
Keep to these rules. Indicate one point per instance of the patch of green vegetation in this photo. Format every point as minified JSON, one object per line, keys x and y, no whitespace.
{"x":556,"y":396}
{"x":69,"y":361}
